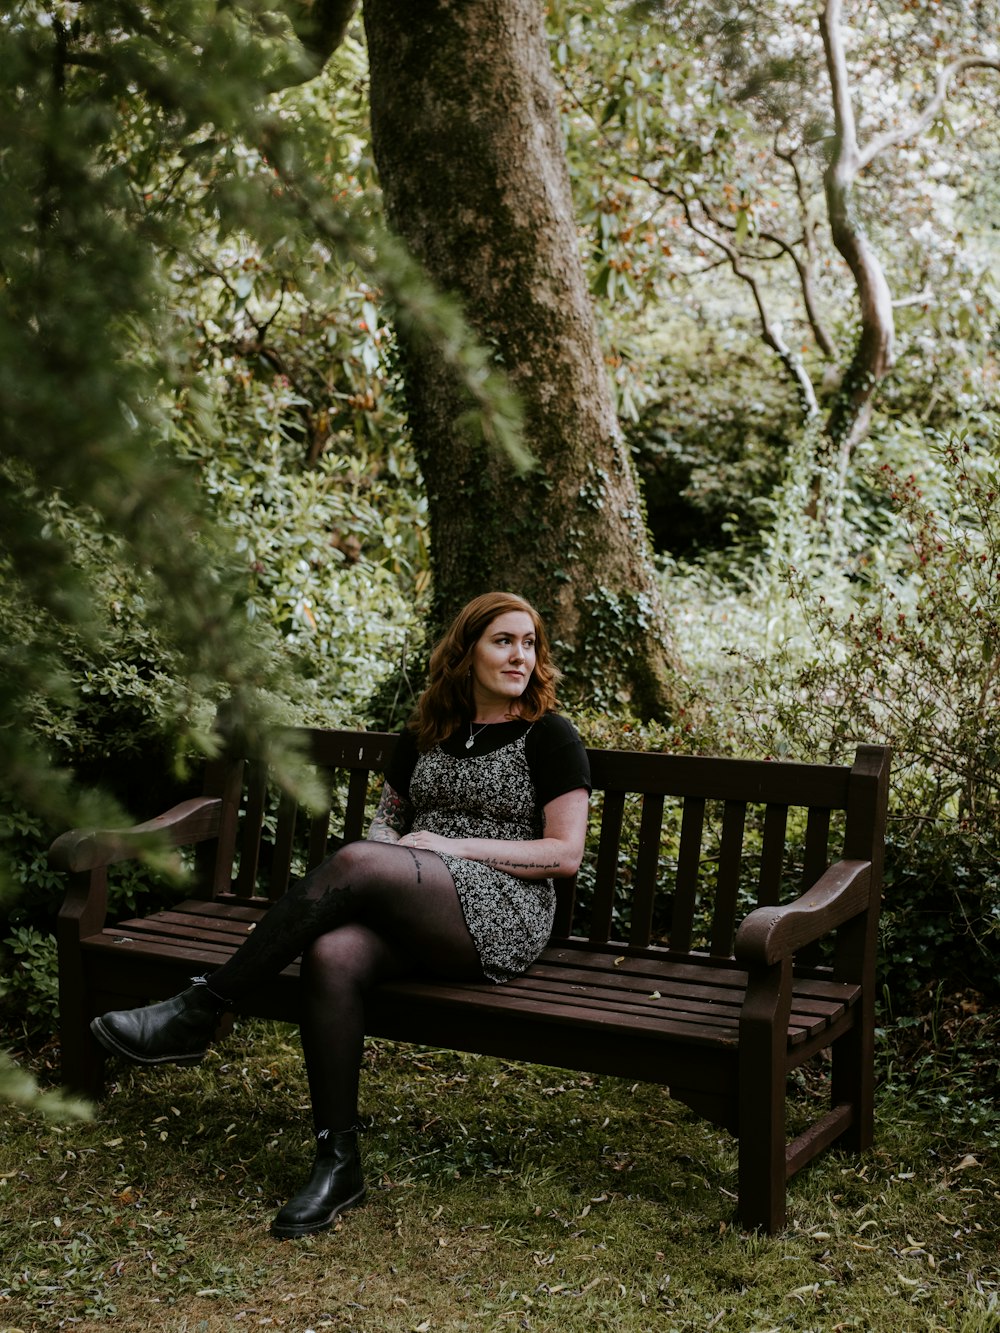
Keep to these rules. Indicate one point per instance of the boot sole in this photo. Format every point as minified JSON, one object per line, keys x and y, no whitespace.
{"x":293,"y":1232}
{"x":111,"y":1043}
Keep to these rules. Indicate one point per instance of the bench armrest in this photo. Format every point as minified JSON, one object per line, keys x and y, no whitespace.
{"x":81,"y":850}
{"x":769,"y":934}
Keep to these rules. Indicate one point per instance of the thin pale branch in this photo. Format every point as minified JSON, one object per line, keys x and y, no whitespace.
{"x":770,"y":332}
{"x":806,"y":268}
{"x":920,"y":122}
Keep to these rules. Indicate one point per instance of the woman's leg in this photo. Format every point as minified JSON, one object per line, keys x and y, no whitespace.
{"x":406,"y":897}
{"x":338,"y":971}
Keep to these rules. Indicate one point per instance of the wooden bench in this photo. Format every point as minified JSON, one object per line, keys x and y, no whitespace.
{"x":650,"y":974}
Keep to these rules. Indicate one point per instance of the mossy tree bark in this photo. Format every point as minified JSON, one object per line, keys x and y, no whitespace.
{"x":468,"y":145}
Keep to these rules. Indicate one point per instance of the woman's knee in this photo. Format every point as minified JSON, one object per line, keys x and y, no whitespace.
{"x":350,"y":955}
{"x":356,"y":862}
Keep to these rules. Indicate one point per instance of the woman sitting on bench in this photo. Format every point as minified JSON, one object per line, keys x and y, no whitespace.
{"x":485,"y":800}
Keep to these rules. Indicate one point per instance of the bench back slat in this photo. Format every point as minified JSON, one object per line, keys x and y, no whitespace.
{"x":284,"y":846}
{"x":772,"y":855}
{"x":646,"y":872}
{"x":817,"y":839}
{"x":357,"y":797}
{"x":319,"y":830}
{"x":606,"y":875}
{"x":252,"y":826}
{"x":686,"y":881}
{"x":727,"y":882}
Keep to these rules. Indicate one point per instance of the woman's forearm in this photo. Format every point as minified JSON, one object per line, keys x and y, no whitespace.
{"x":543,"y":858}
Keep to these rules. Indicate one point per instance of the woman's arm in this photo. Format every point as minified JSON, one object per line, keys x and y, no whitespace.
{"x":392,"y":818}
{"x":556,"y":854}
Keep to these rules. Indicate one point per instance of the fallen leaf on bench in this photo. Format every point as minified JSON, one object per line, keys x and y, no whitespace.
{"x":656,"y":995}
{"x":619,"y":960}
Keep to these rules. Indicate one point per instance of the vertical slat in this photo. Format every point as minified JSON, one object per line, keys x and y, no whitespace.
{"x":772,"y":856}
{"x":319,"y":832}
{"x":357,"y":800}
{"x":253,"y":822}
{"x":214,"y":860}
{"x":562,"y":922}
{"x":686,"y":884}
{"x":817,"y":856}
{"x":644,"y":889}
{"x":727,"y":886}
{"x":607,"y":866}
{"x":284,"y":841}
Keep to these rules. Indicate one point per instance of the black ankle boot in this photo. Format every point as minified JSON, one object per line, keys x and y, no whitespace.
{"x":335,"y":1185}
{"x":174,"y":1032}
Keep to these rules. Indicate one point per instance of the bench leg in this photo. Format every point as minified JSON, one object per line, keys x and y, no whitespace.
{"x":82,"y":1058}
{"x":853,"y":1083}
{"x":763,"y":1042}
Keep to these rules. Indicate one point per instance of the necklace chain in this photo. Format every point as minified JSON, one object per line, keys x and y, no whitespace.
{"x":473,"y":734}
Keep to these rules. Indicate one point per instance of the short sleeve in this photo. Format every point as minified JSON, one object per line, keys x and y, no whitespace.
{"x":557,"y":758}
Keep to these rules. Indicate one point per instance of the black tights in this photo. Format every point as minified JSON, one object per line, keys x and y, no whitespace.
{"x":370,"y":912}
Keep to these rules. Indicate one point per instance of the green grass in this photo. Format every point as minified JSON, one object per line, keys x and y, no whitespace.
{"x":502,"y":1196}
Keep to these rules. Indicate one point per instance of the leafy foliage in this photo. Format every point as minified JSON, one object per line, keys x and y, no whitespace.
{"x":900,"y":646}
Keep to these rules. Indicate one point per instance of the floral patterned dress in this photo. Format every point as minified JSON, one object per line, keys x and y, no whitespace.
{"x":488,"y":796}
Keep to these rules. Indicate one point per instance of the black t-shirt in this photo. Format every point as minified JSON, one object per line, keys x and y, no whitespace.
{"x":556,"y":756}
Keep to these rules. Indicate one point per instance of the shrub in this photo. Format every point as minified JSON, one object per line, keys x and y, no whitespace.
{"x":905,"y":650}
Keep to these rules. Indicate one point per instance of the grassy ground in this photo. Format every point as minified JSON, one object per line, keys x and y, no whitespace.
{"x":502,"y":1197}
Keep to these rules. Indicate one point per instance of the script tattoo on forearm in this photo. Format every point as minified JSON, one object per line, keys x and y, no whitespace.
{"x":501,"y":863}
{"x":392,"y":818}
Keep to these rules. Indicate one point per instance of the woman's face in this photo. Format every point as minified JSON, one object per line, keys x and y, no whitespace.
{"x":503,"y":660}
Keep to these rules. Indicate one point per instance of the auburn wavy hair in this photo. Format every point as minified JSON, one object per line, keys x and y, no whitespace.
{"x":448,"y":701}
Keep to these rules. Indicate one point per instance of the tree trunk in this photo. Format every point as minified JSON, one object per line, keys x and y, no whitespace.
{"x":873,"y":356}
{"x":468,"y":145}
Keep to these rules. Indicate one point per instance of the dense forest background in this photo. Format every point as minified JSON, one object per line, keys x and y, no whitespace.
{"x":221,"y":472}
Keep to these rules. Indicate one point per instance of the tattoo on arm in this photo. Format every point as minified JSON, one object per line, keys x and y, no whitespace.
{"x":392,"y":818}
{"x":500,"y":863}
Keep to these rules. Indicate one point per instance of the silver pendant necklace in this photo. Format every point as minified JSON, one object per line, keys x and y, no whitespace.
{"x":473,"y":734}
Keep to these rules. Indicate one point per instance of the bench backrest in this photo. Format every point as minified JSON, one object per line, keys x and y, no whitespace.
{"x":680,"y":848}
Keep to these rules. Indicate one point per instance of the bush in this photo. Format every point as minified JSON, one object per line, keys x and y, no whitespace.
{"x":904,"y":649}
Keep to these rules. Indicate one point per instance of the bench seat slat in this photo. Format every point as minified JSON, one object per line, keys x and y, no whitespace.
{"x":670,"y":986}
{"x":668,"y":1008}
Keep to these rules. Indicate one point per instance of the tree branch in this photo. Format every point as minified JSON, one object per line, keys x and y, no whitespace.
{"x":920,"y":122}
{"x":806,"y":268}
{"x":770,"y":332}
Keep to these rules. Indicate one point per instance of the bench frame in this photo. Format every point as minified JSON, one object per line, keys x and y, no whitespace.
{"x":721,"y":1026}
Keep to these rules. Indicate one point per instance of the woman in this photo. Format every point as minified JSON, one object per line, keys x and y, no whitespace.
{"x":484,"y":800}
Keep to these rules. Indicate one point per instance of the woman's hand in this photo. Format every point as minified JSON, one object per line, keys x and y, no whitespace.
{"x":430,"y":842}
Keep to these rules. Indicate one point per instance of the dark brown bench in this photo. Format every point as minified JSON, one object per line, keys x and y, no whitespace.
{"x":721,"y":932}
